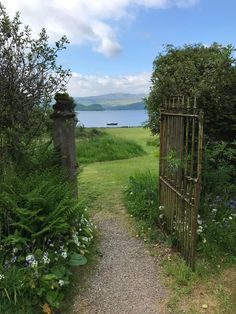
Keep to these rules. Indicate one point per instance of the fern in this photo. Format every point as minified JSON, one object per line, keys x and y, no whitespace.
{"x":37,"y":207}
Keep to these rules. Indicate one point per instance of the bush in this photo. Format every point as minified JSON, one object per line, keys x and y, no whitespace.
{"x":208,"y":73}
{"x":217,"y":224}
{"x":217,"y":231}
{"x":44,"y":232}
{"x":104,"y":147}
{"x":219,"y":171}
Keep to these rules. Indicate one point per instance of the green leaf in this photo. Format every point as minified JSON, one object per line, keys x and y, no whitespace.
{"x":77,"y":260}
{"x":59,"y":271}
{"x":54,"y":298}
{"x":49,"y":277}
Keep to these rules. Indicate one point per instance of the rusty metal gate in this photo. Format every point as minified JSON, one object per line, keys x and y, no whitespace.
{"x":181,"y":141}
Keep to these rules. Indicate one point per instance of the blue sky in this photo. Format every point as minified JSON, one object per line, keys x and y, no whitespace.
{"x":113,"y":43}
{"x":143,"y":39}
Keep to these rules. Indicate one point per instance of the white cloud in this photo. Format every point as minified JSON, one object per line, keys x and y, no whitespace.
{"x":93,"y":85}
{"x":84,"y":21}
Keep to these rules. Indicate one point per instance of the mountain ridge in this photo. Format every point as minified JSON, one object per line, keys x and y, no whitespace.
{"x":99,"y":107}
{"x":112,"y":99}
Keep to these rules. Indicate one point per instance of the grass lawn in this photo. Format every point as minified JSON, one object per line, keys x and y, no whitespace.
{"x":107,"y":180}
{"x":139,"y":135}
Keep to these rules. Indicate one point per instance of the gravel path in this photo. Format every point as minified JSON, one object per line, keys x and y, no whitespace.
{"x":127,"y":279}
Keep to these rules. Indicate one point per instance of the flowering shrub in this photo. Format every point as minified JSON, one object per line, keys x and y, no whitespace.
{"x":217,"y":224}
{"x":44,"y":232}
{"x":217,"y":231}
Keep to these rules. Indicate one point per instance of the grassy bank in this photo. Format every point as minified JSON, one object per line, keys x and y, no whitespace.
{"x":97,"y":145}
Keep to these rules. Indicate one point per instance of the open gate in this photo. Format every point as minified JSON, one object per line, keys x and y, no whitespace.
{"x":181,"y":141}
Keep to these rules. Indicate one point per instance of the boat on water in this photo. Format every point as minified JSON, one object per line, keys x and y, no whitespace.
{"x":112,"y":123}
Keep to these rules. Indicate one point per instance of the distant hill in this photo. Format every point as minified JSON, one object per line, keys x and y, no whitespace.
{"x":98,"y":107}
{"x":134,"y":106}
{"x":109,"y":100}
{"x":92,"y":107}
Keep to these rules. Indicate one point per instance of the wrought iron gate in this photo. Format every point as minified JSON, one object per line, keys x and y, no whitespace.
{"x":181,"y":141}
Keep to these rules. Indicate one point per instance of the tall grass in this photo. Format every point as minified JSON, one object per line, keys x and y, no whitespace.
{"x":141,"y":199}
{"x":100,"y":146}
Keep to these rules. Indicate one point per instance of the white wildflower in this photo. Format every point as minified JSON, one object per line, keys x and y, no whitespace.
{"x":15,"y":250}
{"x":75,"y":238}
{"x":2,"y":276}
{"x":161,"y":216}
{"x":64,"y":254}
{"x":34,"y":264}
{"x":30,"y":258}
{"x":204,"y":240}
{"x":214,"y":210}
{"x":46,"y":259}
{"x":61,"y":282}
{"x":199,"y":230}
{"x":230,"y":217}
{"x":161,"y":207}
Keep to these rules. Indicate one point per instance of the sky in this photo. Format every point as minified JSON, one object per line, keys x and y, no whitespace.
{"x":113,"y":43}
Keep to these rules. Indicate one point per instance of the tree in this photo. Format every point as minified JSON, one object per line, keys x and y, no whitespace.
{"x":209,"y":73}
{"x":29,"y":77}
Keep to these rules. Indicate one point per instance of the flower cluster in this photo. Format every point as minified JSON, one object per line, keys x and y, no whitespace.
{"x":219,"y":225}
{"x":46,"y":259}
{"x":31,"y":261}
{"x":46,"y":265}
{"x":75,"y":238}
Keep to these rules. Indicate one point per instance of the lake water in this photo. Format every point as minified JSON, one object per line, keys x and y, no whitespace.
{"x":122,"y":117}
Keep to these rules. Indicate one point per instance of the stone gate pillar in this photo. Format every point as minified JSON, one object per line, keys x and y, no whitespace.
{"x":64,"y":122}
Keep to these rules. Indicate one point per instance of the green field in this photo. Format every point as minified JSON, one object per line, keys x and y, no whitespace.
{"x":107,"y":180}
